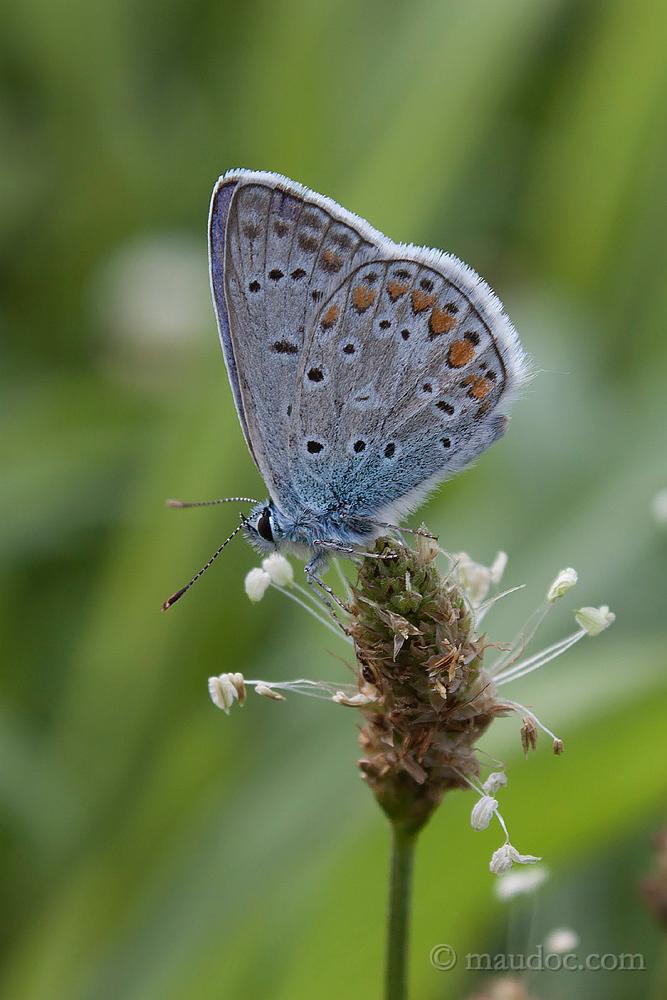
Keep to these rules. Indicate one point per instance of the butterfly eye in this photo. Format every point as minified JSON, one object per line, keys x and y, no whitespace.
{"x":264,"y":525}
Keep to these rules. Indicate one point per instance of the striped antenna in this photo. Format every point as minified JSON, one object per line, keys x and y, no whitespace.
{"x":209,"y":503}
{"x":179,"y":593}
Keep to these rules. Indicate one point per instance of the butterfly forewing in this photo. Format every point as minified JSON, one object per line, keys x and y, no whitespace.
{"x":276,"y":256}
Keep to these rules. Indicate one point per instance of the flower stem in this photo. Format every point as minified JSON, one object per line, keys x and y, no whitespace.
{"x":398,"y":918}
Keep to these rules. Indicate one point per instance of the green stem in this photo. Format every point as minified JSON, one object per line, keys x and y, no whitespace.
{"x":398,"y":918}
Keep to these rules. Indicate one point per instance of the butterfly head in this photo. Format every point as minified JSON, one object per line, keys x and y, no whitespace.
{"x":262,"y":527}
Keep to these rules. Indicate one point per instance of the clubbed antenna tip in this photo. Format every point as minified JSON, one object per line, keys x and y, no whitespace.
{"x":174,"y":597}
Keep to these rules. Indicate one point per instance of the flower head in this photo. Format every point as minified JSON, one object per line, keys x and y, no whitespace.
{"x":422,"y":685}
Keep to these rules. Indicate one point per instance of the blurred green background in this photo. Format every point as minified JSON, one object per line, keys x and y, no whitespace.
{"x":151,"y":847}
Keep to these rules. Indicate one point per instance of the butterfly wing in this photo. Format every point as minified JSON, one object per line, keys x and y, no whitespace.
{"x":407,"y":375}
{"x":277,"y":252}
{"x":364,"y":372}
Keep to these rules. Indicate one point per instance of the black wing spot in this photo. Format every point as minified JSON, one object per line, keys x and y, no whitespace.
{"x":385,"y":324}
{"x":316,"y":295}
{"x":316,"y":375}
{"x":427,"y":387}
{"x":426,"y":284}
{"x":402,"y":274}
{"x":298,"y":274}
{"x":359,"y":446}
{"x":289,"y":410}
{"x":276,"y":274}
{"x":370,"y":278}
{"x":446,"y":442}
{"x":314,"y":447}
{"x":254,"y":286}
{"x":451,"y":308}
{"x":390,"y":450}
{"x":445,"y":407}
{"x":405,"y":334}
{"x":472,"y":336}
{"x":284,"y":347}
{"x":492,"y":376}
{"x":349,"y":349}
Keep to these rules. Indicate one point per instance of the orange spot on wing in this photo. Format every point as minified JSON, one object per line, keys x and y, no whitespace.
{"x":460,"y":353}
{"x":363,"y":297}
{"x":421,"y":301}
{"x":308,"y":243}
{"x":396,"y":289}
{"x":480,"y":387}
{"x":331,"y":261}
{"x":440,"y":321}
{"x":330,"y":317}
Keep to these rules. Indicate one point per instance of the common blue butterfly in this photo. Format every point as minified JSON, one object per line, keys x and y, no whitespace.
{"x":364,"y":372}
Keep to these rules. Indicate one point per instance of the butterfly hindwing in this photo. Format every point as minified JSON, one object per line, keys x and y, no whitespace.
{"x":406,"y":373}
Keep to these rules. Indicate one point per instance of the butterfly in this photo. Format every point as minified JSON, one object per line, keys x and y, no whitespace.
{"x":364,"y":372}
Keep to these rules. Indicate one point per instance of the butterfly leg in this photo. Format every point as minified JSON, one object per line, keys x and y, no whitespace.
{"x":350,"y":550}
{"x":315,"y":582}
{"x":401,"y":530}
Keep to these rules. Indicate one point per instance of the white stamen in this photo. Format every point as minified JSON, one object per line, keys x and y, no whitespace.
{"x":267,"y":692}
{"x":475,"y":578}
{"x":366,"y":696}
{"x":506,"y":856}
{"x":498,"y":567}
{"x":225,"y":689}
{"x":279,"y":569}
{"x":325,"y":690}
{"x":483,"y":812}
{"x":256,"y":584}
{"x":595,"y":620}
{"x":495,"y":781}
{"x":566,"y":580}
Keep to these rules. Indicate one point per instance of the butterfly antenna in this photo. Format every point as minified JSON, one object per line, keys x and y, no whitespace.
{"x":179,"y":593}
{"x":209,"y":503}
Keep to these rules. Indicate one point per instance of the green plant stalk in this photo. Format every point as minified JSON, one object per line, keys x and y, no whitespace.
{"x":398,"y":918}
